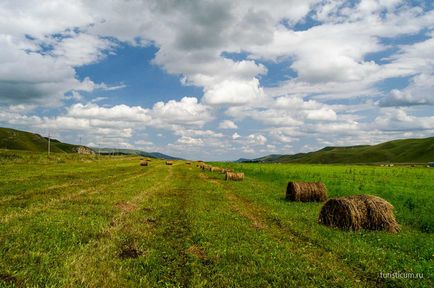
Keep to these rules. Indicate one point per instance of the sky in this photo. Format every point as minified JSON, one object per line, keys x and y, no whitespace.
{"x":218,"y":80}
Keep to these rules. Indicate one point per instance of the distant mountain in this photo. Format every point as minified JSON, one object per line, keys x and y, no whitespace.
{"x":397,"y":151}
{"x":21,"y":140}
{"x":114,"y":151}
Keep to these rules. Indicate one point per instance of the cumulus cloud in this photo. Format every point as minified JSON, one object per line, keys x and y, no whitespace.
{"x":187,"y":111}
{"x":234,"y":93}
{"x":397,"y":119}
{"x":227,"y":124}
{"x":257,"y":139}
{"x":420,"y":91}
{"x":117,"y":112}
{"x":190,"y":140}
{"x":235,"y":136}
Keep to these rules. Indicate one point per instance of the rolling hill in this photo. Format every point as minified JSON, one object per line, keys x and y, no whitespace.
{"x":114,"y":151}
{"x":21,"y":140}
{"x":397,"y":151}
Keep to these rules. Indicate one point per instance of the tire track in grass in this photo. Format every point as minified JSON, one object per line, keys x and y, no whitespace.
{"x":174,"y":231}
{"x":261,"y":219}
{"x":96,"y":188}
{"x":118,"y":245}
{"x":153,"y":252}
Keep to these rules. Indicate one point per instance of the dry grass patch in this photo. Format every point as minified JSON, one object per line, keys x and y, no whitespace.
{"x":196,"y":251}
{"x":126,"y":207}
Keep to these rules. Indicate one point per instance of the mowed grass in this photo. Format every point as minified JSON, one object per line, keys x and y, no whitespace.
{"x":108,"y":222}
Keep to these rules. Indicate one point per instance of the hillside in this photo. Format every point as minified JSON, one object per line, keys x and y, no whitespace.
{"x":114,"y":151}
{"x":21,"y":140}
{"x":397,"y":151}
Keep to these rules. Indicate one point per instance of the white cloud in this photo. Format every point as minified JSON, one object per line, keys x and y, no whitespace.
{"x":231,"y":92}
{"x":118,"y":112}
{"x":257,"y":139}
{"x":81,"y":49}
{"x":190,"y":140}
{"x":235,"y":136}
{"x":227,"y":124}
{"x":419,"y":92}
{"x":173,"y":113}
{"x":397,"y":119}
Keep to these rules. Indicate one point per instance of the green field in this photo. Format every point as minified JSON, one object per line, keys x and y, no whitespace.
{"x":78,"y":221}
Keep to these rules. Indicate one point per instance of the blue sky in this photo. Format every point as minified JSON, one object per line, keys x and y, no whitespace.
{"x":218,"y":80}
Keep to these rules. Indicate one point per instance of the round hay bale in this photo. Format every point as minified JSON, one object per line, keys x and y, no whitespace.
{"x":169,"y":162}
{"x":144,"y":163}
{"x":306,"y":191}
{"x":234,"y":176}
{"x":359,"y":212}
{"x":216,"y":169}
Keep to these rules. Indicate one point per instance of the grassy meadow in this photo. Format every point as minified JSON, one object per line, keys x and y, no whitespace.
{"x":84,"y":221}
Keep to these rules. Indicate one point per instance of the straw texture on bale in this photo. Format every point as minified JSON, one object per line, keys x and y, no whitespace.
{"x":144,"y":163}
{"x":359,"y":212}
{"x":169,"y":162}
{"x":234,"y":176}
{"x":216,"y":169}
{"x":306,"y":191}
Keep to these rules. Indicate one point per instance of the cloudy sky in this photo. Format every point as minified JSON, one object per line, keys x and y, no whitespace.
{"x":218,"y":80}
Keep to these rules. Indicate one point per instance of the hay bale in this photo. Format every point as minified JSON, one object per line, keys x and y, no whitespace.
{"x":216,"y":169}
{"x":234,"y":176}
{"x":188,"y":163}
{"x":144,"y":163}
{"x":359,"y":212}
{"x":306,"y":191}
{"x":169,"y":162}
{"x":206,"y":167}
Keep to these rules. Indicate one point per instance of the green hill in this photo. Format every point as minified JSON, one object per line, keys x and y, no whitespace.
{"x":114,"y":151}
{"x":397,"y":151}
{"x":21,"y":140}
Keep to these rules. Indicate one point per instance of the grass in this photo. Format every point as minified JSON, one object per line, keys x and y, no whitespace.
{"x":80,"y":221}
